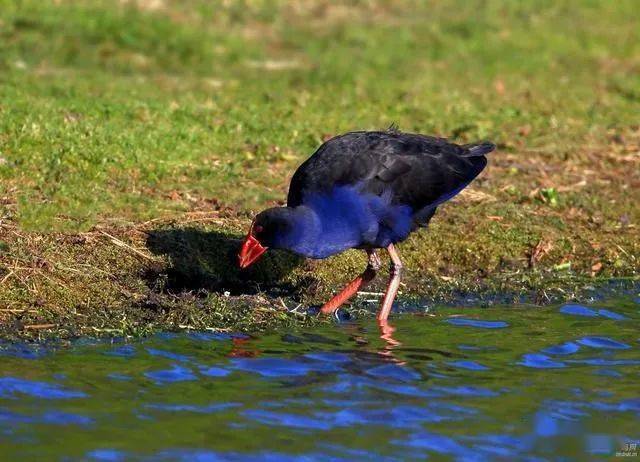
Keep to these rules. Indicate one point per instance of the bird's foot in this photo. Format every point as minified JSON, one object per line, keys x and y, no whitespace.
{"x":313,"y":310}
{"x":342,"y":315}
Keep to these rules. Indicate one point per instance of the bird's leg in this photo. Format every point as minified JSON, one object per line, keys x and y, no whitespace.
{"x":394,"y":283}
{"x":373,"y":266}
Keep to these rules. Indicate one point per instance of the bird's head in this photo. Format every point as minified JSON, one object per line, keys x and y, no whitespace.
{"x":267,"y":231}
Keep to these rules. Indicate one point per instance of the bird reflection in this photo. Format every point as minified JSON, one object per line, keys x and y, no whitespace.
{"x":386,"y":331}
{"x":242,"y":347}
{"x":245,"y":347}
{"x":386,"y":334}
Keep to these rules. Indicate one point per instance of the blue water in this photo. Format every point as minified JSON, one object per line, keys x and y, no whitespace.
{"x":498,"y":383}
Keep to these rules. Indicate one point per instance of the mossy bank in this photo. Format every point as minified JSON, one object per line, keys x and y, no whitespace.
{"x":168,"y":275}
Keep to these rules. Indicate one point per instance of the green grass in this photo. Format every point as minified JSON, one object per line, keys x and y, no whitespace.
{"x":113,"y":114}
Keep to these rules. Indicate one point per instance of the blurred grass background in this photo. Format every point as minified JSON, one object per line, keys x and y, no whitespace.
{"x":120,"y":111}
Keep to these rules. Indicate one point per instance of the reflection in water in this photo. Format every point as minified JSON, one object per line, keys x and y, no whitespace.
{"x":467,"y":384}
{"x":242,"y":348}
{"x":386,"y":334}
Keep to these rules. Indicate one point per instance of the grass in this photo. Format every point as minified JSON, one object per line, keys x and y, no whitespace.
{"x":166,"y":124}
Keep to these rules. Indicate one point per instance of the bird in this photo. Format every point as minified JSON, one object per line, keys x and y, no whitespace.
{"x":365,"y":190}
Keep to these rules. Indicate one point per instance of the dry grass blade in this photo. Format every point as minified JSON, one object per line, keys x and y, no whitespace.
{"x":8,"y":275}
{"x":40,"y":326}
{"x":121,"y":243}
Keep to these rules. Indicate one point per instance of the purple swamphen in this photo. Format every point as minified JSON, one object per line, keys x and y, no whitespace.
{"x":365,"y":190}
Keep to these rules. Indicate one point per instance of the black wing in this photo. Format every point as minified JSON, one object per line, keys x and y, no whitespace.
{"x":420,"y":171}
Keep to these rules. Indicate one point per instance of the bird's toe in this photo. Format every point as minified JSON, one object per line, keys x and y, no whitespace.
{"x":342,"y":315}
{"x":313,"y":310}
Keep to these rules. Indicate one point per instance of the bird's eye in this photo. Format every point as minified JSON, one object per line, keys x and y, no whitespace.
{"x":258,"y":229}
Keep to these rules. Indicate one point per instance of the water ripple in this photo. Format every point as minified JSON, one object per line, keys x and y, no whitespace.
{"x":176,"y":374}
{"x":547,"y":388}
{"x":603,"y":342}
{"x":540,"y":361}
{"x":579,"y":310}
{"x":49,"y":417}
{"x":567,"y":348}
{"x":394,"y":371}
{"x":10,"y":387}
{"x":271,"y":367}
{"x":207,"y":409}
{"x":477,"y":323}
{"x":468,"y":365}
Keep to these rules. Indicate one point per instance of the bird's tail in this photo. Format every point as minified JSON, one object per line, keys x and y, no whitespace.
{"x":478,"y":149}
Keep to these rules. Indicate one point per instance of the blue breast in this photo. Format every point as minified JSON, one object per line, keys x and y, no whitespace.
{"x":347,"y":218}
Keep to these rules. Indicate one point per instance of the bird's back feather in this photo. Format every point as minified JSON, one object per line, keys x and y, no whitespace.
{"x":418,"y":171}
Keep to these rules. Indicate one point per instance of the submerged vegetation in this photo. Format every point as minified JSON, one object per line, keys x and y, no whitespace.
{"x":138,"y":137}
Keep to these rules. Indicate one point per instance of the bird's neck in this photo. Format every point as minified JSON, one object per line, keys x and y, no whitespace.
{"x":342,"y":219}
{"x":309,"y":234}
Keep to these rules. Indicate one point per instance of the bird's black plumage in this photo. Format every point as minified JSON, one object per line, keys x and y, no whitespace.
{"x":418,"y":171}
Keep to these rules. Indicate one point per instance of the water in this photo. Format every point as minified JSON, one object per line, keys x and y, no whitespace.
{"x":510,"y":383}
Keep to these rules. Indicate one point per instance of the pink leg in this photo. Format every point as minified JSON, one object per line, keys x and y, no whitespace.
{"x":394,"y":284}
{"x":349,"y":291}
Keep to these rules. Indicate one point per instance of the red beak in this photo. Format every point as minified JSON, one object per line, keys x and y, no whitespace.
{"x":250,"y":251}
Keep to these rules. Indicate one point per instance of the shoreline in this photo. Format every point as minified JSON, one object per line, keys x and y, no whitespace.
{"x":177,"y":275}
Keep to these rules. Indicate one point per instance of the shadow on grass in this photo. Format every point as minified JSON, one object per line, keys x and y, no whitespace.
{"x":207,"y":261}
